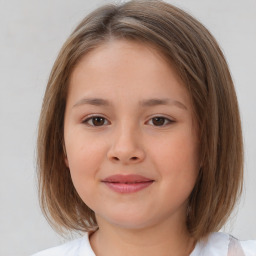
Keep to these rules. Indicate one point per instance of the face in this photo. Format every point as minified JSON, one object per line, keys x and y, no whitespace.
{"x":130,"y":138}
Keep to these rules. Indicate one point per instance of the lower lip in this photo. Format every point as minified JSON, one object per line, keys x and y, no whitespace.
{"x":128,"y":187}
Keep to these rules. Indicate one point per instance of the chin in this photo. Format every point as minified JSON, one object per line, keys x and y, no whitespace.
{"x":129,"y":220}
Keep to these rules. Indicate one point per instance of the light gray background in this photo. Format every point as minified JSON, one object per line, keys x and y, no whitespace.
{"x":32,"y":33}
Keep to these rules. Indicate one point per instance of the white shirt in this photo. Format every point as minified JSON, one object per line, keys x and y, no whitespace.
{"x":218,"y":244}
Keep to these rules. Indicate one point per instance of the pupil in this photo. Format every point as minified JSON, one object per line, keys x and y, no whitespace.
{"x":158,"y":120}
{"x":98,"y":121}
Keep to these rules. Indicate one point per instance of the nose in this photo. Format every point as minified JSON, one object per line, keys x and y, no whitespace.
{"x":126,"y":147}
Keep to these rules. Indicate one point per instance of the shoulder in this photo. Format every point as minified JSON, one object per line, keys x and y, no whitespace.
{"x":69,"y":249}
{"x":249,"y":247}
{"x":73,"y":248}
{"x":222,"y":244}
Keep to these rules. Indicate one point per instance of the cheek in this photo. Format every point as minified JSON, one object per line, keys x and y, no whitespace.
{"x":179,"y":149}
{"x":177,"y":158}
{"x":84,"y":156}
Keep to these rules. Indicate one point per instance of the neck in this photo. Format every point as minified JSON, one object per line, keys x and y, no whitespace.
{"x":165,"y":239}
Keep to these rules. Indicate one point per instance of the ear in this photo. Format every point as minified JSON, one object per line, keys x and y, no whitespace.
{"x":66,"y":161}
{"x":65,"y":156}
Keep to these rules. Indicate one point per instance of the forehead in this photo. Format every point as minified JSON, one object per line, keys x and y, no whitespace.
{"x":119,"y":51}
{"x":131,"y":67}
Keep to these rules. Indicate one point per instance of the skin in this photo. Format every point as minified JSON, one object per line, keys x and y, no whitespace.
{"x":130,"y":141}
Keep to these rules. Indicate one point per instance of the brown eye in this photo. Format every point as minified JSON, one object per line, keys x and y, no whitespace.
{"x":158,"y":121}
{"x":161,"y":121}
{"x":95,"y":121}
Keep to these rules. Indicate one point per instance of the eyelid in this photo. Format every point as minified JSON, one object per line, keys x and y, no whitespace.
{"x":170,"y":120}
{"x":88,"y":118}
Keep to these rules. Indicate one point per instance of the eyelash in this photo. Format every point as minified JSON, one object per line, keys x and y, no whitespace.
{"x":91,"y":118}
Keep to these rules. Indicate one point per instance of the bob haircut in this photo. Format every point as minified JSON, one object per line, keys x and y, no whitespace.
{"x":199,"y":62}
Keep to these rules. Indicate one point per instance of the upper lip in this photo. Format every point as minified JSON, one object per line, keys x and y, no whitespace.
{"x":131,"y":178}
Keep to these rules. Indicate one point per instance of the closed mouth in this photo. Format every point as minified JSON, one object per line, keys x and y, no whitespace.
{"x":131,"y":178}
{"x":127,"y":183}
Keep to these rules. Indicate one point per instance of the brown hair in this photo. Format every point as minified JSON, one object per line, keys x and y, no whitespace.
{"x":202,"y":67}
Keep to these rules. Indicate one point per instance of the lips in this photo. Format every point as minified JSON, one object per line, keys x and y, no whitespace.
{"x":127,"y":183}
{"x":132,"y":178}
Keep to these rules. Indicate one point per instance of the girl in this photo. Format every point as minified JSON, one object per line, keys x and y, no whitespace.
{"x":140,"y":142}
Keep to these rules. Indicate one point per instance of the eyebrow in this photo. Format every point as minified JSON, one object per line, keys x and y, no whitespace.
{"x":143,"y":103}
